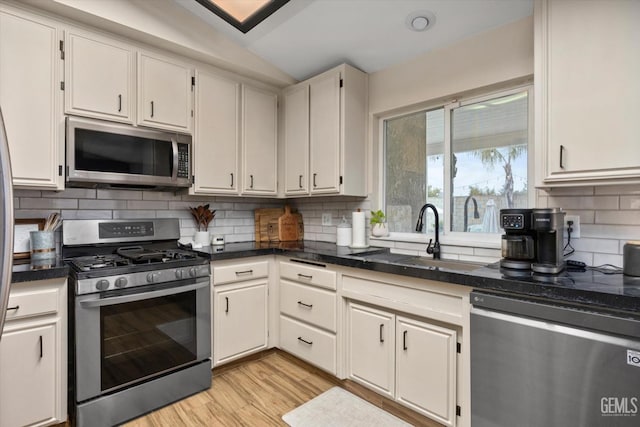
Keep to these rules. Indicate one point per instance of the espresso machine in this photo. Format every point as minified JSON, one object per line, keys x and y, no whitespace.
{"x":519,"y":241}
{"x":548,"y":225}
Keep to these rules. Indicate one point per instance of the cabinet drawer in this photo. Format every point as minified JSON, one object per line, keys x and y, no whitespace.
{"x":308,"y":343}
{"x":240,"y":272}
{"x":312,"y":305}
{"x":28,"y":304}
{"x":316,"y":276}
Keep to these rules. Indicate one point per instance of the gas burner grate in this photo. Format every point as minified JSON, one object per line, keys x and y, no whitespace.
{"x":97,"y":262}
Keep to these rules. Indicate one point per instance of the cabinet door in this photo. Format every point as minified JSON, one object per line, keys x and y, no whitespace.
{"x":296,"y":141}
{"x":588,"y":63}
{"x":28,"y":376}
{"x":217,"y":139}
{"x":371,"y":341}
{"x":426,"y":369}
{"x":99,"y":78}
{"x":259,"y":141}
{"x":324,"y":133}
{"x":164,"y":93}
{"x":30,"y":99}
{"x":240,"y":321}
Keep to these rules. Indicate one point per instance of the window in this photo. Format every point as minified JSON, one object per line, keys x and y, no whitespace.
{"x":470,"y":159}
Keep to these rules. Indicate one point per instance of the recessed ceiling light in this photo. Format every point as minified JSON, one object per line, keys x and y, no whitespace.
{"x":420,"y":20}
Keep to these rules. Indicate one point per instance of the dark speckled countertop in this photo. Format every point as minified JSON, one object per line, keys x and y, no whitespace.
{"x":587,"y":288}
{"x":32,"y":270}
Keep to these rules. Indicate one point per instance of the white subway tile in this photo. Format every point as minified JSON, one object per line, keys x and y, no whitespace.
{"x":405,"y":252}
{"x":239,"y":238}
{"x":183,"y":214}
{"x":608,"y":246}
{"x":601,"y":259}
{"x":630,"y":202}
{"x":459,"y":250}
{"x":71,"y":193}
{"x":29,"y":203}
{"x":583,"y":203}
{"x":160,"y":195}
{"x":16,"y":203}
{"x":156,"y":205}
{"x":86,"y":214}
{"x":382,"y":243}
{"x":102,"y":204}
{"x":27,"y":193}
{"x":326,"y":237}
{"x":570,"y":191}
{"x":628,"y":232}
{"x":618,"y":189}
{"x":586,"y":217}
{"x":480,"y":259}
{"x":34,"y":213}
{"x":491,"y":253}
{"x":618,"y":217}
{"x":134,"y":214}
{"x":245,"y":230}
{"x":120,"y":194}
{"x":411,"y":246}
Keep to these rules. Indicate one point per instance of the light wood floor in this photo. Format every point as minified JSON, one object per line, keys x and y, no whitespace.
{"x":259,"y":392}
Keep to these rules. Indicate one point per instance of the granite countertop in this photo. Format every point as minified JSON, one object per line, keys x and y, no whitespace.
{"x":32,"y":270}
{"x":588,"y":288}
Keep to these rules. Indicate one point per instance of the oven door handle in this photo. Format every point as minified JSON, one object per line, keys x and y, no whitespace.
{"x":101,"y":302}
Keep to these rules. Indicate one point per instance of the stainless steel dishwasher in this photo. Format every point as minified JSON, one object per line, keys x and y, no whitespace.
{"x":538,"y":364}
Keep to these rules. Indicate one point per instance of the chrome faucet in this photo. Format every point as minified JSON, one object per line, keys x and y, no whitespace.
{"x":476,"y":214}
{"x":435,"y":249}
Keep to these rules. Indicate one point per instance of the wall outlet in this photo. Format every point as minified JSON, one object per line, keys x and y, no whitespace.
{"x":575,"y":234}
{"x":326,"y":219}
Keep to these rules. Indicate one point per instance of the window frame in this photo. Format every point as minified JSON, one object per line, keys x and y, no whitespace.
{"x":448,"y":237}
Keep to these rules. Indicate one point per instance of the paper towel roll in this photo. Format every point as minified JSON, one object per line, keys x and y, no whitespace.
{"x":358,"y":230}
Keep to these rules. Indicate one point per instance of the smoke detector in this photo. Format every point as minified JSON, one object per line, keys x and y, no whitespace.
{"x":420,"y":20}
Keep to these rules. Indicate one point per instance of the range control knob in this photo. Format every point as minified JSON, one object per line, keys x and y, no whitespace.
{"x":152,"y":277}
{"x":179,"y":273}
{"x":121,"y":282}
{"x":193,"y":271}
{"x":102,"y":285}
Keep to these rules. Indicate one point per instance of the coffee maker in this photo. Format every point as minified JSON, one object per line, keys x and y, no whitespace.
{"x":548,"y":225}
{"x":519,"y":241}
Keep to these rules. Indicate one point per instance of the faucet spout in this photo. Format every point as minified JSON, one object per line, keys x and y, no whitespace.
{"x":435,"y":249}
{"x":476,"y":214}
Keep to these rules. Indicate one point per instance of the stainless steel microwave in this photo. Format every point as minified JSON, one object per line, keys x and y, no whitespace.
{"x":106,"y":154}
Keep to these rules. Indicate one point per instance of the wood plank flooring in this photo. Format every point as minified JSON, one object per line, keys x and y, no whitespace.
{"x":258,"y":392}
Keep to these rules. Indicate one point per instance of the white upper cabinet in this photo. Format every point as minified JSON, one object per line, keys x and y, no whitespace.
{"x":164,"y":93}
{"x":216,"y":136}
{"x":296,"y":140}
{"x":325,"y":134}
{"x":31,"y":98}
{"x":587,"y":92}
{"x":259,"y":141}
{"x":100,"y":76}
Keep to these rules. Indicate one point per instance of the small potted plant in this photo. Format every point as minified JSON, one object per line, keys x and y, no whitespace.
{"x":203,"y":216}
{"x":378,"y":223}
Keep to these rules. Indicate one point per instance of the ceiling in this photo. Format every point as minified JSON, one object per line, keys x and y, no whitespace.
{"x":306,"y":37}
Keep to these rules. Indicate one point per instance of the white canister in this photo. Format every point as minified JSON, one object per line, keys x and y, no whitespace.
{"x":343,"y":237}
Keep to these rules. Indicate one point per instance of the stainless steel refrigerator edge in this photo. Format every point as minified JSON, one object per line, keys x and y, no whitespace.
{"x":535,"y":364}
{"x":6,"y":222}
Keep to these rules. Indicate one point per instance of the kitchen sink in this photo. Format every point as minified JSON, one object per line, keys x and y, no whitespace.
{"x":418,"y":261}
{"x":440,"y":263}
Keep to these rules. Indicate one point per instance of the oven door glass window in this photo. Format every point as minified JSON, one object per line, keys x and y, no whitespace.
{"x":147,"y":337}
{"x":106,"y":152}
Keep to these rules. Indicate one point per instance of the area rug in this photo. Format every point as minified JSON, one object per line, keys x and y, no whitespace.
{"x":337,"y":407}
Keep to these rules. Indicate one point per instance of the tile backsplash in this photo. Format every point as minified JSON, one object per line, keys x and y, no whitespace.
{"x":609,"y":215}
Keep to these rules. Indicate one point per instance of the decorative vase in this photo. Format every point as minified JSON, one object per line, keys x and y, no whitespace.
{"x":202,"y":237}
{"x":380,"y":230}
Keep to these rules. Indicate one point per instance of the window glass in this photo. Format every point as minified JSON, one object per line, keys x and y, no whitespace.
{"x":489,"y":161}
{"x":414,"y":167}
{"x":488,"y":158}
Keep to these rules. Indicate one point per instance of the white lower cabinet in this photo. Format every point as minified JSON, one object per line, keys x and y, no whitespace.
{"x":33,"y":355}
{"x":240,"y":310}
{"x":409,"y":360}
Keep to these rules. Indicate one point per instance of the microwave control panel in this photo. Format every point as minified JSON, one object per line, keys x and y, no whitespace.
{"x":183,"y":160}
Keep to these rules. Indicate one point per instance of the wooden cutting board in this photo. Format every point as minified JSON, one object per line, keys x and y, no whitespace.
{"x":287,"y":226}
{"x":266,"y":224}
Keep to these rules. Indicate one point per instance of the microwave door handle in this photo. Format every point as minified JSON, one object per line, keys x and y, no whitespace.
{"x":174,"y":146}
{"x":101,"y":302}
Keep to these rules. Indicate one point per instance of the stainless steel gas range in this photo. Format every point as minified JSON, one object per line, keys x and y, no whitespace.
{"x":140,"y":319}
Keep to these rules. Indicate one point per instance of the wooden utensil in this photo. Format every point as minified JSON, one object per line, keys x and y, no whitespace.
{"x":288,"y":226}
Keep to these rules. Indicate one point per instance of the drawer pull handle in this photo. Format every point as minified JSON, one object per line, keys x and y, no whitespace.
{"x":240,"y":273}
{"x":305,"y":276}
{"x":40,"y":346}
{"x":404,"y":340}
{"x":381,"y":332}
{"x":226,"y":299}
{"x":305,"y":341}
{"x":17,"y":307}
{"x":305,"y":305}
